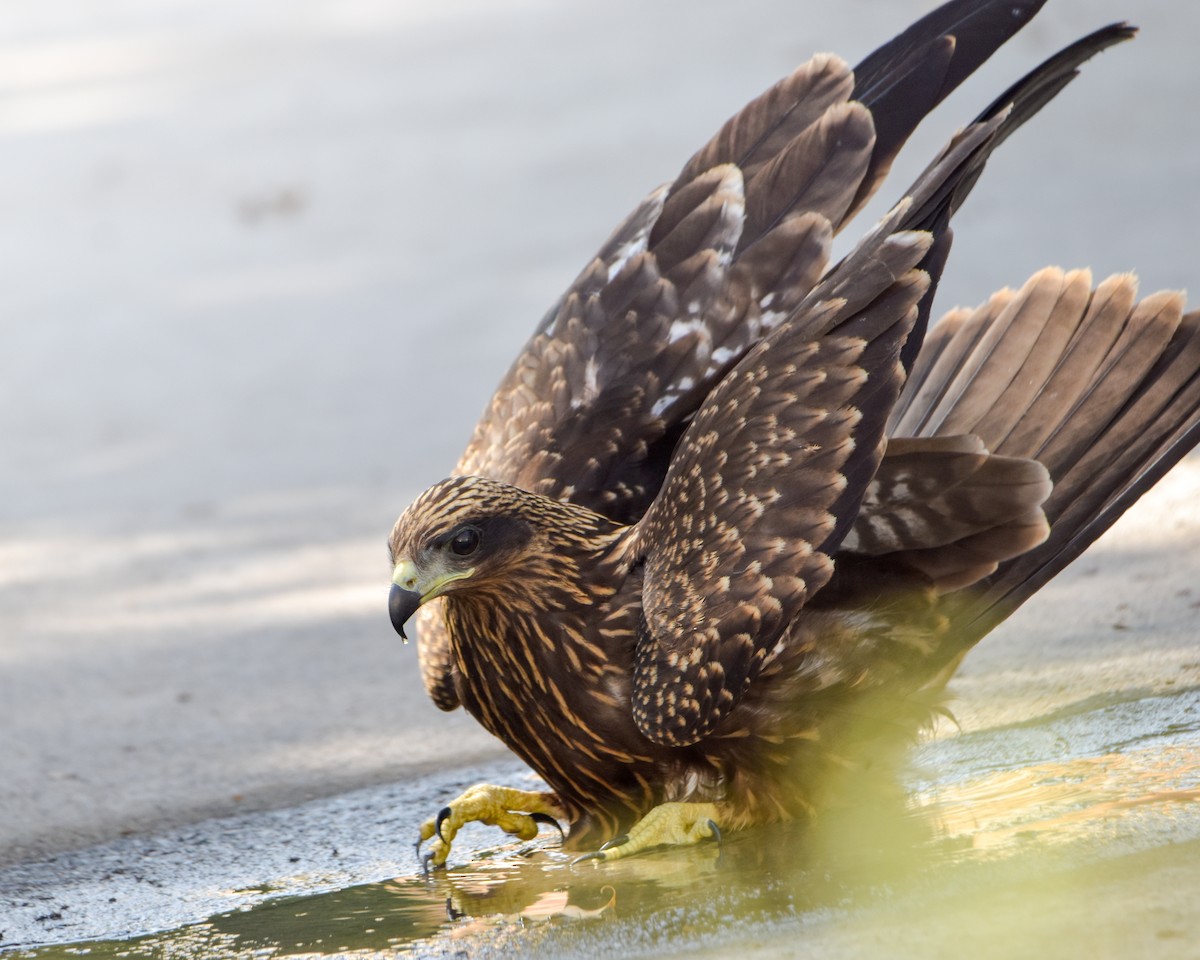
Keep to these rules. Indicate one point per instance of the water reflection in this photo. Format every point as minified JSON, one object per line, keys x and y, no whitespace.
{"x":991,"y":818}
{"x":518,"y":895}
{"x":1062,"y":800}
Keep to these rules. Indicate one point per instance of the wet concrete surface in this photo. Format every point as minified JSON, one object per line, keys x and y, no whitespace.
{"x":265,"y":264}
{"x":1024,"y":837}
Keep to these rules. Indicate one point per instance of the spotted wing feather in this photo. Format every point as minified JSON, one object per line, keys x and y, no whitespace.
{"x":808,"y":149}
{"x":743,"y":529}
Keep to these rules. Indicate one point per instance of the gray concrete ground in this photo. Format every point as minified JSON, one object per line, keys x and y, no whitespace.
{"x":265,"y":261}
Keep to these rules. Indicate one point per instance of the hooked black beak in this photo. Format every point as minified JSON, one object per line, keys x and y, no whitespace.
{"x":402,"y":604}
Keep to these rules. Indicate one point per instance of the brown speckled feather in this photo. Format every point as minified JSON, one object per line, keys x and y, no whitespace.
{"x":731,"y":506}
{"x":591,"y":409}
{"x":741,"y":533}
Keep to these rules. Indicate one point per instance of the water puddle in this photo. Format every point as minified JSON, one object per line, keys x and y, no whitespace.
{"x":1054,"y":812}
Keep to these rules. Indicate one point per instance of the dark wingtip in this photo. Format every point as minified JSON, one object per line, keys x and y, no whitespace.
{"x":1038,"y":87}
{"x":979,"y":30}
{"x":1011,"y":110}
{"x":907,"y":77}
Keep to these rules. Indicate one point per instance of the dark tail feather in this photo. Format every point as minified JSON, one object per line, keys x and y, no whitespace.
{"x":1103,"y":391}
{"x":1155,"y":428}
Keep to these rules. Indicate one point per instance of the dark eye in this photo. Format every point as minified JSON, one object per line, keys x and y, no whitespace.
{"x":465,"y":542}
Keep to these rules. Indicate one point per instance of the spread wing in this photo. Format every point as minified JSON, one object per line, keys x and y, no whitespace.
{"x":594,"y":404}
{"x":753,"y":506}
{"x":705,"y":268}
{"x":771,"y":474}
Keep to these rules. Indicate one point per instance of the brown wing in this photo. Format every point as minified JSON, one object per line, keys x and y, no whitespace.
{"x":742,"y":531}
{"x":593,"y":407}
{"x":732,"y":549}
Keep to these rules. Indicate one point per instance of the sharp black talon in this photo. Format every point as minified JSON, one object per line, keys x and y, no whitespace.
{"x":546,"y":818}
{"x":598,"y":855}
{"x":441,"y":817}
{"x":615,"y":842}
{"x":716,"y":831}
{"x":426,"y":861}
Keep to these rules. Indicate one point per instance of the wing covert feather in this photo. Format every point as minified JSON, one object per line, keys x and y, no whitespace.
{"x":742,"y":531}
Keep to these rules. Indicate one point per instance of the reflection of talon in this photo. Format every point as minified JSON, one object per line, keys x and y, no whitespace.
{"x":518,"y":812}
{"x":668,"y":824}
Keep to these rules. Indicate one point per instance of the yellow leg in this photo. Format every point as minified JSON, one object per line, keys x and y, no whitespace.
{"x":668,"y":824}
{"x":514,"y":811}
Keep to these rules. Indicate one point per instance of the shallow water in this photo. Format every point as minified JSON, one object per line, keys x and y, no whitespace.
{"x":1095,"y":802}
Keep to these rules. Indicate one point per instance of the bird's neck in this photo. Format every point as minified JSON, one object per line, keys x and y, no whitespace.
{"x":548,"y":671}
{"x":547,"y":598}
{"x":534,"y":641}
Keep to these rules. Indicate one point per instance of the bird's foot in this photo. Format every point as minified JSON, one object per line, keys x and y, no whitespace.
{"x":668,"y":824}
{"x":518,"y":812}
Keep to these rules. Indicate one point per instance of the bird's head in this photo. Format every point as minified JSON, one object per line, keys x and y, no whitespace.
{"x":454,"y":536}
{"x":480,"y":536}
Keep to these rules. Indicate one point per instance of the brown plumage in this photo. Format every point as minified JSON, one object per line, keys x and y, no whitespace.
{"x":731,"y":516}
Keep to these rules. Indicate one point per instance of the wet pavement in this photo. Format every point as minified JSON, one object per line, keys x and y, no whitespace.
{"x":1021,"y":837}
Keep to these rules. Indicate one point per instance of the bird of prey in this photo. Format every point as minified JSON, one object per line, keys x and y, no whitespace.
{"x":736,"y":513}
